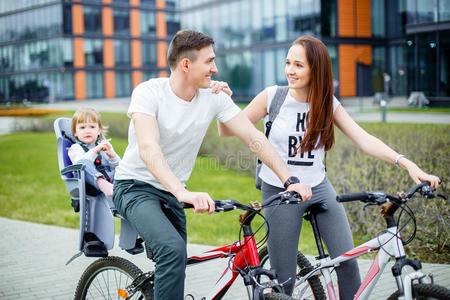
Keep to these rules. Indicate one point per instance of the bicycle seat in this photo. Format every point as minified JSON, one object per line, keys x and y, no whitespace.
{"x":315,"y":209}
{"x":96,"y":211}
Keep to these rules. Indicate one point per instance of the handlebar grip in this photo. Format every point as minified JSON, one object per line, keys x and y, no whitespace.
{"x":221,"y":205}
{"x":361,"y":196}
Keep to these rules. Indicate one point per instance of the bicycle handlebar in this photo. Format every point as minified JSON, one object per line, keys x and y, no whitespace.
{"x":379,"y":198}
{"x":228,"y":205}
{"x":361,"y":196}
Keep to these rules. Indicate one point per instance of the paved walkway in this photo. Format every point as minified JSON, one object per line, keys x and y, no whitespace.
{"x":33,"y":257}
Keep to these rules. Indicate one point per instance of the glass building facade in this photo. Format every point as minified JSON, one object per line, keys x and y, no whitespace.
{"x":365,"y":39}
{"x":62,"y":49}
{"x":53,"y":50}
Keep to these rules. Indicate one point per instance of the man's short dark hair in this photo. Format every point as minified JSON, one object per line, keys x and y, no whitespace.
{"x":183,"y":44}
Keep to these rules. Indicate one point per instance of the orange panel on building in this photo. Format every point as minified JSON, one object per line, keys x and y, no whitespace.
{"x":354,"y":18}
{"x":136,"y":78}
{"x":77,"y":19}
{"x":110,"y":84}
{"x":347,"y":70}
{"x":80,"y":85}
{"x":363,"y":19}
{"x":135,"y":23}
{"x":135,"y":2}
{"x":78,"y":53}
{"x":161,"y":33}
{"x":349,"y":56}
{"x":136,"y":54}
{"x":108,"y":53}
{"x":107,"y":21}
{"x":346,"y":18}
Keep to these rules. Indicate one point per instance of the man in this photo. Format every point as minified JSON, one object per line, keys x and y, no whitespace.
{"x":169,"y":119}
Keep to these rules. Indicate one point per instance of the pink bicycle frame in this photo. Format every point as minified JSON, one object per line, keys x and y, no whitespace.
{"x":391,"y":245}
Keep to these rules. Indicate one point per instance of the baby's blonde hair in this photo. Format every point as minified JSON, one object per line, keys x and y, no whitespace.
{"x":87,"y":114}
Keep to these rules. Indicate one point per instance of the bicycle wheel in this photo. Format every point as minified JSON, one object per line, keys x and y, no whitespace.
{"x":277,"y":296}
{"x":104,"y":277}
{"x":426,"y":291}
{"x":311,"y":288}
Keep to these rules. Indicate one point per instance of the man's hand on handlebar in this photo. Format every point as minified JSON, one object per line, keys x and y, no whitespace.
{"x":201,"y":202}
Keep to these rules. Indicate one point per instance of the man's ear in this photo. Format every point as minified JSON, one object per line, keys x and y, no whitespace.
{"x":185,"y":64}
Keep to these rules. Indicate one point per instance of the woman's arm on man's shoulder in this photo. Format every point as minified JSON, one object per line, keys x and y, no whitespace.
{"x":255,"y":111}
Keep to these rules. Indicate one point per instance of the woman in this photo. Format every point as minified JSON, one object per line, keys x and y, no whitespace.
{"x":301,"y":133}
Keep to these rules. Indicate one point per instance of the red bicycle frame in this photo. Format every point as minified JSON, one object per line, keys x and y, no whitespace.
{"x":244,"y":256}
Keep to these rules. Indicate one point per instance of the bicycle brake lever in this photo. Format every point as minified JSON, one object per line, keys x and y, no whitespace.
{"x":367,"y":205}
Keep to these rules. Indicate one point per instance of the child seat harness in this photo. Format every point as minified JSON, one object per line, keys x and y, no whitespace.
{"x":98,"y":160}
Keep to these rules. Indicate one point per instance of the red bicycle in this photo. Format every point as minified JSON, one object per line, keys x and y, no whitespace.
{"x":115,"y":277}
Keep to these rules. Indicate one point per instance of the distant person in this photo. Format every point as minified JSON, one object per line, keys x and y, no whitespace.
{"x":93,"y":150}
{"x":169,"y":119}
{"x":301,"y":133}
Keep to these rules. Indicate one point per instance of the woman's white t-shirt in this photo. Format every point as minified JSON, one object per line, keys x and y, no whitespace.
{"x":182,"y":127}
{"x":285,"y":136}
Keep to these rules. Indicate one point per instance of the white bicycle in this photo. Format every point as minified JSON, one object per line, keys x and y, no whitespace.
{"x":389,"y":245}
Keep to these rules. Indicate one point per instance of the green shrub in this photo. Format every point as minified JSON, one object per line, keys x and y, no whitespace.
{"x":350,"y":170}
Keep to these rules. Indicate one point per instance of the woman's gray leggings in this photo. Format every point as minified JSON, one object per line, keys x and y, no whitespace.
{"x":285,"y":222}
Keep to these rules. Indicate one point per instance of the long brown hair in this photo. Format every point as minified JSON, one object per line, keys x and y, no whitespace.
{"x":320,"y":131}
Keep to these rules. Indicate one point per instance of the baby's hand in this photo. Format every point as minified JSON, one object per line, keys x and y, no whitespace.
{"x":107,"y":147}
{"x":98,"y":148}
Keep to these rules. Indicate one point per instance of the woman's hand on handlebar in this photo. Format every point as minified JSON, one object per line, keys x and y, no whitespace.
{"x":420,"y":176}
{"x":303,"y":190}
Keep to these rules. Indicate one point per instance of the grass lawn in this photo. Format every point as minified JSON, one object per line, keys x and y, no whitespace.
{"x":32,"y":190}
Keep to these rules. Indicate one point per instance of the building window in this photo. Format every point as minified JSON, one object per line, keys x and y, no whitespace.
{"x":123,"y":84}
{"x":148,"y":3}
{"x":378,"y":69}
{"x":328,"y":15}
{"x":93,"y":52}
{"x":122,"y":52}
{"x":378,"y":19}
{"x":397,"y":65}
{"x":67,"y":53}
{"x":149,"y":54}
{"x":444,"y":63}
{"x":427,"y":11}
{"x":121,"y":20}
{"x":173,"y":23}
{"x":67,"y":18}
{"x":444,"y":10}
{"x":67,"y":92}
{"x":148,"y":23}
{"x":148,"y":74}
{"x":427,"y":47}
{"x":94,"y":84}
{"x":92,"y":19}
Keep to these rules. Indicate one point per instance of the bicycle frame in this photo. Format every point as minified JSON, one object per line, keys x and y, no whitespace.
{"x":244,"y":261}
{"x":388,"y":245}
{"x":244,"y":253}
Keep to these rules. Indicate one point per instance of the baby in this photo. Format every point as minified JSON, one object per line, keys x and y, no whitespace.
{"x":93,"y":150}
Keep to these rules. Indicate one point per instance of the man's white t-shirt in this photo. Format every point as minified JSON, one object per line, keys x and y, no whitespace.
{"x":285,"y":136}
{"x":182,"y":127}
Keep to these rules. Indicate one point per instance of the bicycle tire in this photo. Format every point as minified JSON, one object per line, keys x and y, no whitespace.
{"x":277,"y":296}
{"x":103,"y":278}
{"x":304,"y":267}
{"x":426,"y":291}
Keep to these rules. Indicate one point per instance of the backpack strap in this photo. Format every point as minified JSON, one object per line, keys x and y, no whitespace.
{"x":274,"y":108}
{"x":275,"y":105}
{"x":277,"y":102}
